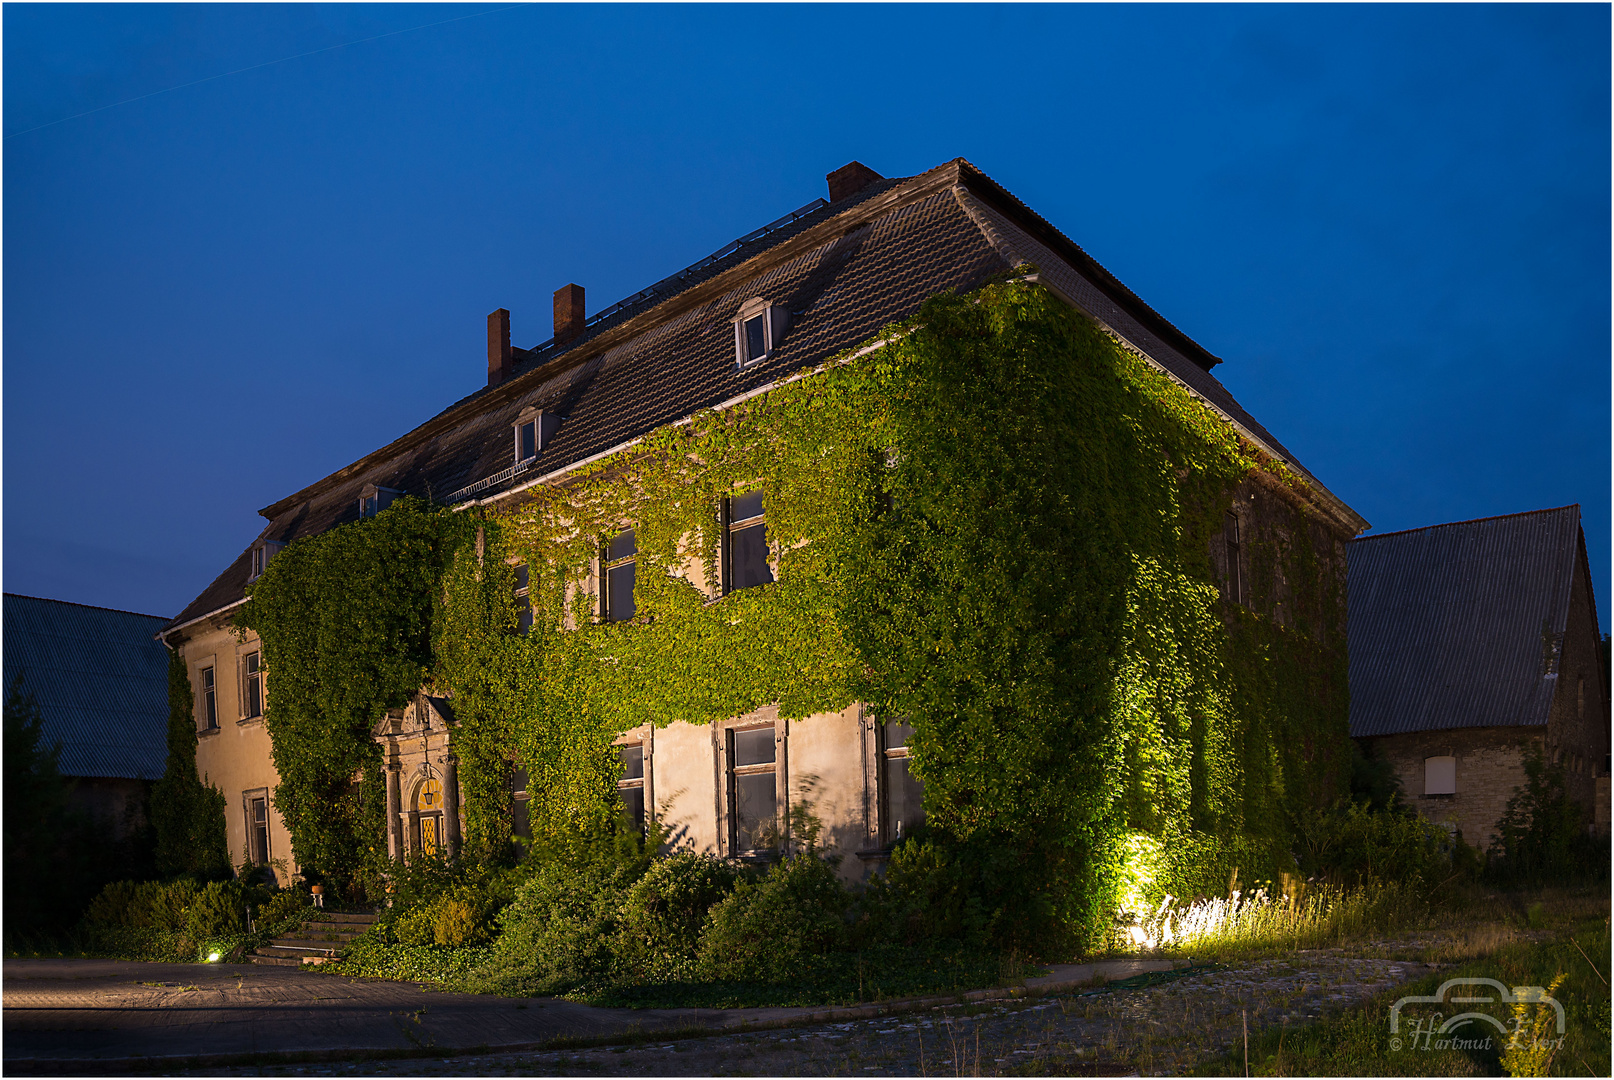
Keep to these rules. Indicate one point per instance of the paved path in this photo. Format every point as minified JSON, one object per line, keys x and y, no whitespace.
{"x":98,"y":1016}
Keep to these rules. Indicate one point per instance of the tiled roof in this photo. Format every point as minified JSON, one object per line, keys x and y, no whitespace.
{"x":1448,"y":625}
{"x":844,"y":270}
{"x":100,"y":679}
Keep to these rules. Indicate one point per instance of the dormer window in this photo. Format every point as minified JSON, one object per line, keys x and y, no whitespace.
{"x":757,"y":330}
{"x":262,"y":552}
{"x":533,"y":429}
{"x":373,"y":500}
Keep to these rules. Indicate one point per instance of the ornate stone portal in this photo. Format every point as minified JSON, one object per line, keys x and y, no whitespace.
{"x":423,"y":792}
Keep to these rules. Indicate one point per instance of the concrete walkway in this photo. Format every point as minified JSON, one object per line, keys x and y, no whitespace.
{"x":106,"y":1016}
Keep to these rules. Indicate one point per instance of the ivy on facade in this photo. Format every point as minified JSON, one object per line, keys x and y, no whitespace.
{"x":997,"y":525}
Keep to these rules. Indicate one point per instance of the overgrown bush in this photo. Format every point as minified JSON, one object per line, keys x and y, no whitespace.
{"x":1542,"y":835}
{"x":219,"y":909}
{"x":182,"y":906}
{"x":462,"y":915}
{"x":559,"y":933}
{"x":281,"y":908}
{"x":988,"y":890}
{"x":1352,"y":843}
{"x":764,"y":929}
{"x":665,"y":911}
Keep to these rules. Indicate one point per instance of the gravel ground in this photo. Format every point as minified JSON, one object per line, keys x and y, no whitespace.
{"x":1156,"y":1030}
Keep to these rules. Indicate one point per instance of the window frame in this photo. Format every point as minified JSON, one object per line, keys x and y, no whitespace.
{"x":890,"y":825}
{"x":731,"y":774}
{"x":1429,"y":779}
{"x":607,"y":564}
{"x":1234,"y":548}
{"x":543,"y":424}
{"x":774,"y":321}
{"x":249,"y":799}
{"x":252,"y":683}
{"x":730,"y":526}
{"x":373,"y":499}
{"x":262,"y":552}
{"x":640,"y":783}
{"x":207,"y":678}
{"x":520,"y":812}
{"x":523,"y":593}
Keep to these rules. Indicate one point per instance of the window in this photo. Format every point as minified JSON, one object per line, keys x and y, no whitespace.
{"x":1235,"y":578}
{"x":520,"y":822}
{"x":533,"y":430}
{"x":429,"y":813}
{"x":373,"y":500}
{"x":251,"y":687}
{"x":757,"y":330}
{"x":753,"y":791}
{"x":745,"y":554}
{"x":523,"y":598}
{"x":210,"y":701}
{"x":1580,"y":697}
{"x":1440,"y":776}
{"x":258,"y":827}
{"x":631,"y":786}
{"x":902,"y":809}
{"x":261,"y":554}
{"x":617,"y":568}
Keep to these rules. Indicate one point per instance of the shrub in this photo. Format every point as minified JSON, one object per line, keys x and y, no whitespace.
{"x":217,"y":910}
{"x":991,"y":890}
{"x":152,"y":905}
{"x":762,"y":929}
{"x":1542,"y":833}
{"x":665,"y":911}
{"x":281,"y":908}
{"x":116,"y":904}
{"x":1351,"y":844}
{"x":557,"y":935}
{"x":167,"y":906}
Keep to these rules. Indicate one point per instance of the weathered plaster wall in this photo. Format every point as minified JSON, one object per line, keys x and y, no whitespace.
{"x":235,"y":758}
{"x":819,"y":767}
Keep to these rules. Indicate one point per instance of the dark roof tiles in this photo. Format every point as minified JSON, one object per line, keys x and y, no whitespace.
{"x":843,"y":271}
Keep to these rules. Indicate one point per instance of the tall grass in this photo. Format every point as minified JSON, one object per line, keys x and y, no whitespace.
{"x":1306,"y":916}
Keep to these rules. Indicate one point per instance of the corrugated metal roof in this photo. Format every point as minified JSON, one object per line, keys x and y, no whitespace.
{"x":101,"y":681}
{"x":1453,"y":626}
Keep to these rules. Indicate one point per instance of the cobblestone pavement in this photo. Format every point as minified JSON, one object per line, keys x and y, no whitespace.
{"x":95,"y":1016}
{"x":1160,"y":1029}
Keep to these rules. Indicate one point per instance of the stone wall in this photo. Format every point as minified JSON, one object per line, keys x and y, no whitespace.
{"x":1490,"y":765}
{"x":1577,"y":729}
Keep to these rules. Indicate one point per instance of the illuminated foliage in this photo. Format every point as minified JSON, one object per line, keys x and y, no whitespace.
{"x":997,"y":525}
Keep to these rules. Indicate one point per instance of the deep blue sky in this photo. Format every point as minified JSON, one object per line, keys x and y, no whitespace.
{"x":1392,"y":222}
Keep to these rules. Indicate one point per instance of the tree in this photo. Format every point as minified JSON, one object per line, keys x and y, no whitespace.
{"x":187,"y":813}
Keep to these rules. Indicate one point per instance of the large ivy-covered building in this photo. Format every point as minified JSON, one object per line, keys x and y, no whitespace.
{"x":900,"y":509}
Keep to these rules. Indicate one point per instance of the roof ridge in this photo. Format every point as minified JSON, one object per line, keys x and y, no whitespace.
{"x":1469,"y":521}
{"x":93,"y":607}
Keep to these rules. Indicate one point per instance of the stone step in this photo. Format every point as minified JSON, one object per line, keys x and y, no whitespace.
{"x":301,"y":947}
{"x":365,"y":918}
{"x":331,"y":932}
{"x":277,"y":961}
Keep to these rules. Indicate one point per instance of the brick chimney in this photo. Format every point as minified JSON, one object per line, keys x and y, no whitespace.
{"x":569,"y":314}
{"x":501,"y":362}
{"x":850,"y":179}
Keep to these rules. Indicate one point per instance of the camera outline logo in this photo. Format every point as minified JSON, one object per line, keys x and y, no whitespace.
{"x":1505,"y":996}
